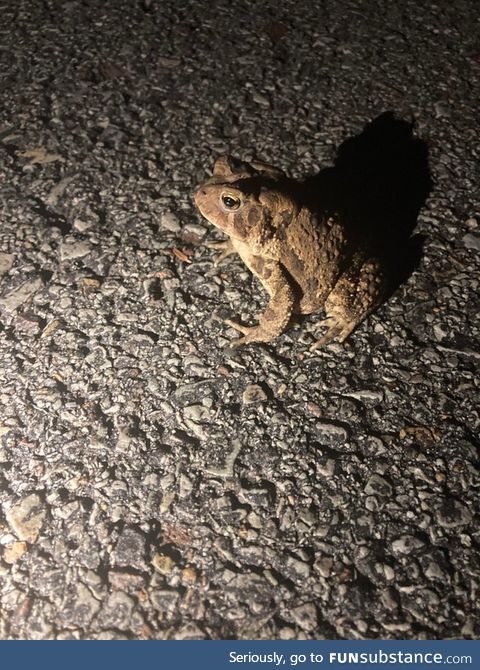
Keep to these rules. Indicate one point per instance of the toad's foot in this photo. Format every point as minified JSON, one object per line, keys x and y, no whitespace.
{"x":337,"y":330}
{"x":250,"y":334}
{"x":226,"y":248}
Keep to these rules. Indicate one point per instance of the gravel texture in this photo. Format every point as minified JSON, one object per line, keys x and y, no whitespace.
{"x":153,"y":484}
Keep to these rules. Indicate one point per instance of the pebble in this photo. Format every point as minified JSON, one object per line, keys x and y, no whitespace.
{"x":377,"y":485}
{"x":332,"y":430}
{"x":12,"y":300}
{"x":78,"y":607}
{"x":190,"y":631}
{"x":26,"y":517}
{"x":452,"y":514}
{"x":385,"y":570}
{"x":193,"y":233}
{"x":196,"y":413}
{"x":6,"y":263}
{"x":298,"y":569}
{"x":163,"y":564}
{"x":406,"y":544}
{"x":163,"y":600}
{"x":287,"y":633}
{"x":81,"y":226}
{"x":125,"y":581}
{"x":13,"y":552}
{"x":253,"y":393}
{"x":170,"y":222}
{"x":27,"y":324}
{"x":471,"y":241}
{"x":117,"y":611}
{"x":305,"y":616}
{"x":261,"y":99}
{"x":230,"y":458}
{"x":130,"y":550}
{"x":72,"y":249}
{"x":186,"y":486}
{"x":324,"y":565}
{"x":189,"y":575}
{"x":389,"y":598}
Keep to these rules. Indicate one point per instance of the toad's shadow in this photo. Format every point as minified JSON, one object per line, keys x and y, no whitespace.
{"x":379,"y":182}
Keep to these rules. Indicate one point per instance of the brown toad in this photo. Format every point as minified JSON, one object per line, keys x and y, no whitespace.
{"x":305,"y":260}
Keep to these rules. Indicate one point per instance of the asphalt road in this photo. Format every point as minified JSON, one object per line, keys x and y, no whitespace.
{"x":154,"y":484}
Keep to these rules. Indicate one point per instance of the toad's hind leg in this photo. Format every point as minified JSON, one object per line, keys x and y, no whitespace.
{"x":360,"y":289}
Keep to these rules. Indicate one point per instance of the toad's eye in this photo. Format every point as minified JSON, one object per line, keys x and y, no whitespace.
{"x":229,"y":202}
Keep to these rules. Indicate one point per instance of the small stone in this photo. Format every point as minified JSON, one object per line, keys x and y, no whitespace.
{"x":169,"y":221}
{"x":13,"y":552}
{"x":299,"y":569}
{"x":189,"y":631}
{"x":167,"y":500}
{"x":165,"y":601}
{"x":27,"y":324}
{"x":197,"y":413}
{"x":186,"y":486}
{"x":50,"y":328}
{"x":324,"y":565}
{"x":130,"y":550}
{"x":258,"y":495}
{"x":287,"y":633}
{"x":471,"y":223}
{"x":377,"y":485}
{"x":253,"y":393}
{"x":326,"y":468}
{"x":91,"y":282}
{"x":254,"y":520}
{"x":434,"y":571}
{"x":163,"y":564}
{"x":71,"y":249}
{"x":26,"y":517}
{"x":193,"y":233}
{"x":388,"y":572}
{"x":6,"y":263}
{"x":163,"y":61}
{"x":389,"y":599}
{"x":307,"y":516}
{"x":471,"y":241}
{"x":371,"y":503}
{"x":230,"y":458}
{"x":20,"y":295}
{"x":401,"y":627}
{"x":366,"y":394}
{"x":452,"y":514}
{"x":117,"y":611}
{"x":305,"y":616}
{"x":333,"y":430}
{"x":125,"y":581}
{"x":260,"y":99}
{"x":406,"y":544}
{"x":81,"y":226}
{"x":189,"y":575}
{"x":314,"y":409}
{"x":78,"y":607}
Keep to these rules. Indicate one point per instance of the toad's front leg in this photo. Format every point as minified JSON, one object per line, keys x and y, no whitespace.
{"x":277,"y":314}
{"x":226,"y":248}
